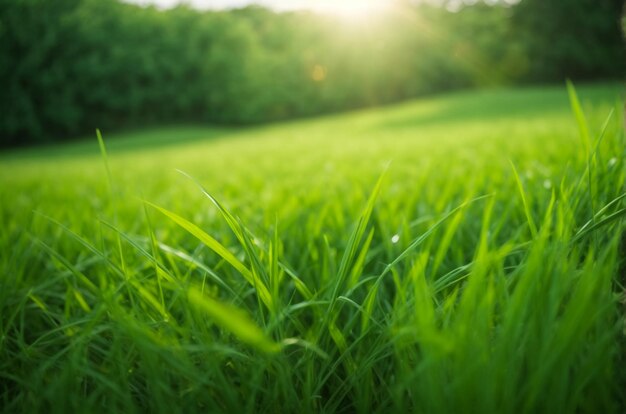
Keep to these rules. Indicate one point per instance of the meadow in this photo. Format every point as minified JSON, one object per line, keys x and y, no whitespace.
{"x":458,"y":253}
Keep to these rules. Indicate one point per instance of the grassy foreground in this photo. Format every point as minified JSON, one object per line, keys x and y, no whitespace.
{"x":457,"y":254}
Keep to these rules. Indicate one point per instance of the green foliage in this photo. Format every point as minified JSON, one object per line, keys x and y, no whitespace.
{"x":70,"y":66}
{"x":570,"y":38}
{"x":302,"y":281}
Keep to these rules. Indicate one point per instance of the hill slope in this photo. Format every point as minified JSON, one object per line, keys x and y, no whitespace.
{"x":480,"y":274}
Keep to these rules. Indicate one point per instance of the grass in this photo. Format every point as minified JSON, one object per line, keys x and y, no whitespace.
{"x":463,"y":253}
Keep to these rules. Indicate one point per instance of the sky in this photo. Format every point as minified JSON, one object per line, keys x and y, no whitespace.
{"x":317,"y":5}
{"x":341,"y":7}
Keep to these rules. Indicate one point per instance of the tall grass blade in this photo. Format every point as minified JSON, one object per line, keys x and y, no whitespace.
{"x":233,"y":320}
{"x":529,"y":217}
{"x":222,"y":251}
{"x":579,"y":115}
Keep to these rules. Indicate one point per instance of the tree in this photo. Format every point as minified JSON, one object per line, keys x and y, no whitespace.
{"x":579,"y":39}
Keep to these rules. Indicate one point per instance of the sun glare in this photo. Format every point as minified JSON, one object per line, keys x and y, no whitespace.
{"x":350,"y":9}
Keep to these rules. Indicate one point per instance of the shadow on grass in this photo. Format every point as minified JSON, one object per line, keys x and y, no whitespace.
{"x":488,"y":105}
{"x":125,"y":141}
{"x":495,"y":104}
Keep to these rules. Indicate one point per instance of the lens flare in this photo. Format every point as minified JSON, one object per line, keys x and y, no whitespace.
{"x":350,"y":9}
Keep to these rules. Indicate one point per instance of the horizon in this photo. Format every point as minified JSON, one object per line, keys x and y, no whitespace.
{"x":345,"y":8}
{"x":277,"y":5}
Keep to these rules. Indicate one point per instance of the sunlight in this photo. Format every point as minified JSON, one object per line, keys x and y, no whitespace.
{"x":350,"y":9}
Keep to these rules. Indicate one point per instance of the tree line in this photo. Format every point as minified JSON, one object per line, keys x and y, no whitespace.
{"x":69,"y":66}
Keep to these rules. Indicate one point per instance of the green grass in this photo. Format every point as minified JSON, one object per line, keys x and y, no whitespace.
{"x":462,"y":253}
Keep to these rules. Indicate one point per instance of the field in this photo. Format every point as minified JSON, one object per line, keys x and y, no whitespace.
{"x":461,"y":253}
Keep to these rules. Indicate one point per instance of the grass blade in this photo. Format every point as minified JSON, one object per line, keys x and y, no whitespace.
{"x":233,"y":320}
{"x":222,"y":251}
{"x":529,"y":217}
{"x":579,"y":115}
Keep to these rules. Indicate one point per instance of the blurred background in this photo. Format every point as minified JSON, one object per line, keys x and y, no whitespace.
{"x":70,"y":66}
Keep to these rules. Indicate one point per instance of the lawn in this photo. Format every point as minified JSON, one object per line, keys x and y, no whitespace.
{"x":459,"y":253}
